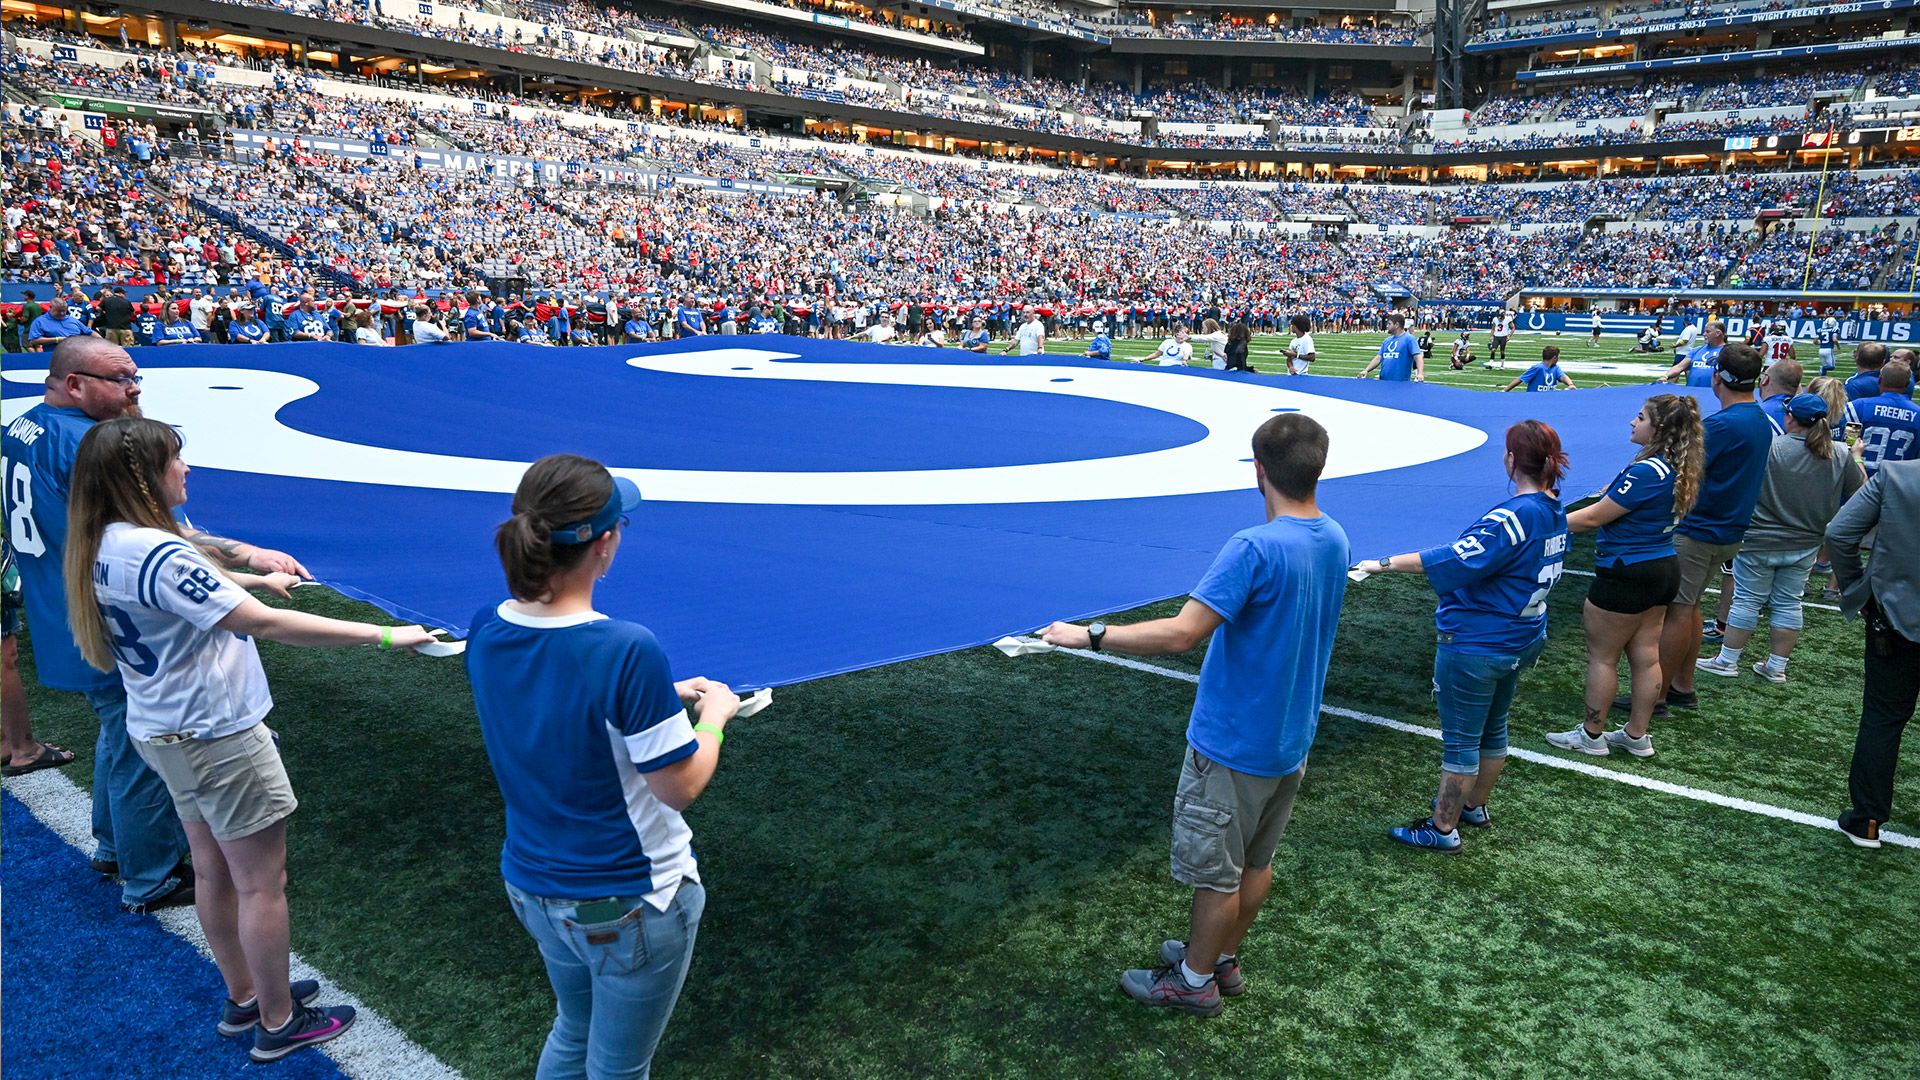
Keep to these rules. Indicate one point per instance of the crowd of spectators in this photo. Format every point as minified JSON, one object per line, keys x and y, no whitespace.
{"x":286,"y":211}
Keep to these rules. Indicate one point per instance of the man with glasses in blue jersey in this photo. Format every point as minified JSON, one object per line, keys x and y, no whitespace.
{"x":136,"y":832}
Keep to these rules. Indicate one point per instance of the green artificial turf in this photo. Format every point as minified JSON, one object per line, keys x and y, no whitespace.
{"x":939,"y":868}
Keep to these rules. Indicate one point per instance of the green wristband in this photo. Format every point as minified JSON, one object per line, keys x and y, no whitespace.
{"x":386,"y":637}
{"x":719,"y":734}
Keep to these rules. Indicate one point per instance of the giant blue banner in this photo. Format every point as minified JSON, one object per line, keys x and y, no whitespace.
{"x":815,"y":507}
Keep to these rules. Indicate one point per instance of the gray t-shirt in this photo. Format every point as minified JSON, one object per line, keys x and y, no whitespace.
{"x":1800,"y":495}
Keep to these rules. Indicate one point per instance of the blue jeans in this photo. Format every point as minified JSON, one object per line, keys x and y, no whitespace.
{"x":1777,"y":579}
{"x":616,"y":982}
{"x":134,"y":823}
{"x":1475,"y":692}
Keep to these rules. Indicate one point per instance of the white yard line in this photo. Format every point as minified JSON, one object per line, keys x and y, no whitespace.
{"x":1714,"y":798}
{"x":374,"y":1050}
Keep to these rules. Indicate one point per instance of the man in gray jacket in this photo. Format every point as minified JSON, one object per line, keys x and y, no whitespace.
{"x":1887,"y":592}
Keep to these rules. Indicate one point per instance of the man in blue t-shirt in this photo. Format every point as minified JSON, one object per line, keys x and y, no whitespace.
{"x":635,"y":329}
{"x":689,"y":320}
{"x":53,"y":326}
{"x":137,"y":835}
{"x":1268,"y":608}
{"x":1868,"y":358}
{"x":474,"y":322}
{"x":1889,"y":421}
{"x":1697,"y":367}
{"x":1738,"y":440}
{"x":1399,"y":358}
{"x":1545,"y":375}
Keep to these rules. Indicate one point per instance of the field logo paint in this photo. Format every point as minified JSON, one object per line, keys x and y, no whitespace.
{"x":237,"y":428}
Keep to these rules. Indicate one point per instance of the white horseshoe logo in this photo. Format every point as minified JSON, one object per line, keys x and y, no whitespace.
{"x":1536,"y":321}
{"x":236,"y":428}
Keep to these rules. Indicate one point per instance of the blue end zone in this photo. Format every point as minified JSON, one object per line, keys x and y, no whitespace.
{"x":88,"y":984}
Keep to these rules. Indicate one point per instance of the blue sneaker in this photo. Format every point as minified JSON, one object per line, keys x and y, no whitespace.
{"x":1422,"y":834}
{"x":1713,"y":632}
{"x":239,"y":1019}
{"x":1475,"y":816}
{"x":306,"y":1027}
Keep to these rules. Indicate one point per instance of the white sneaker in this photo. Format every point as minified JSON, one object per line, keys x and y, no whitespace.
{"x":1640,"y":747}
{"x":1776,"y":677}
{"x":1578,"y":739}
{"x":1713,"y":665}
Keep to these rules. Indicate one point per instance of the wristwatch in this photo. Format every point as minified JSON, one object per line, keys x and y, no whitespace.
{"x":1386,"y":562}
{"x":1095,"y":632}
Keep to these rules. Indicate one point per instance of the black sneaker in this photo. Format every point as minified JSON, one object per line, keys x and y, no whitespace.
{"x":1681,"y":700}
{"x":306,"y":1027}
{"x":1864,"y":834}
{"x":106,"y":868}
{"x":180,"y":895}
{"x":1624,"y":704}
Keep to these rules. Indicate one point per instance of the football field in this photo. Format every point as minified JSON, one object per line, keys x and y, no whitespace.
{"x":940,"y":867}
{"x":1347,"y":354}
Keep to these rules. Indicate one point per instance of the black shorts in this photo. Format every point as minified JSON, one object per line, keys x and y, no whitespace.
{"x":1636,"y":587}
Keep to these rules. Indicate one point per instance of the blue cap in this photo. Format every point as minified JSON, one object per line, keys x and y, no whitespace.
{"x":624,"y":500}
{"x":1807,"y":408}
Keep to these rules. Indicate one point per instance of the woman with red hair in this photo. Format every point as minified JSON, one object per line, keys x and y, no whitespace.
{"x":1492,"y":620}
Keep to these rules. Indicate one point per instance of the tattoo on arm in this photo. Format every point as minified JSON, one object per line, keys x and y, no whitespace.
{"x":221,"y":548}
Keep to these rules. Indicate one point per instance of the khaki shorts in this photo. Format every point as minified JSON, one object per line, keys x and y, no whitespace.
{"x":1225,"y":822}
{"x":1699,"y":566}
{"x":122,"y":338}
{"x":235,"y":783}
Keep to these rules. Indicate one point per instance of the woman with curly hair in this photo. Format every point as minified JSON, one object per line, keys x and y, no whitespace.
{"x":1635,"y":571}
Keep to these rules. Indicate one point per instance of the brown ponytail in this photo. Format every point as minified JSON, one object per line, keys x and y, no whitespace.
{"x":557,"y":490}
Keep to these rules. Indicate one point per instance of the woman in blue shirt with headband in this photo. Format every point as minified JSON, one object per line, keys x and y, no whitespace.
{"x":1492,"y":620}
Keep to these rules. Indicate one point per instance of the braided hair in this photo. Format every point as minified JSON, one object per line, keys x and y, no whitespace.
{"x":121,"y":464}
{"x":1680,"y":441}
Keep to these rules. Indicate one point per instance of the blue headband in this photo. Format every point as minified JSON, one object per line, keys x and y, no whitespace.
{"x":624,"y":500}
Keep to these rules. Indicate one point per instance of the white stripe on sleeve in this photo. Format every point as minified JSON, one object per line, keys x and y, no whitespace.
{"x":669,"y":734}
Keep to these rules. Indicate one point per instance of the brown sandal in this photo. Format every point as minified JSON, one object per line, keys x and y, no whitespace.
{"x":51,"y":757}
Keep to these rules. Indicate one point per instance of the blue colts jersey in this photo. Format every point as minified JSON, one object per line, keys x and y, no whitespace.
{"x":1889,"y":429}
{"x":1494,"y":580}
{"x":38,"y":449}
{"x":1645,"y":531}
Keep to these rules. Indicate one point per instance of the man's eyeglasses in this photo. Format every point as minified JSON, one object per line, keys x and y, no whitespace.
{"x":123,"y":380}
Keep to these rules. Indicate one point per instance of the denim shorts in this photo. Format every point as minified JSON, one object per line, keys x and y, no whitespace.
{"x":1475,"y":692}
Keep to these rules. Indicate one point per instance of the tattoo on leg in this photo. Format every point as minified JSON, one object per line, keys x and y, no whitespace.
{"x":1594,"y":721}
{"x":1453,"y":794}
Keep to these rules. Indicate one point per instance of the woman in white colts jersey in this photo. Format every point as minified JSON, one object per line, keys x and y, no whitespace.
{"x":180,"y":630}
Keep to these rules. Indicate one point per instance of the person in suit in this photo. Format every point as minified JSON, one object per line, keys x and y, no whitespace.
{"x":1887,"y":593}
